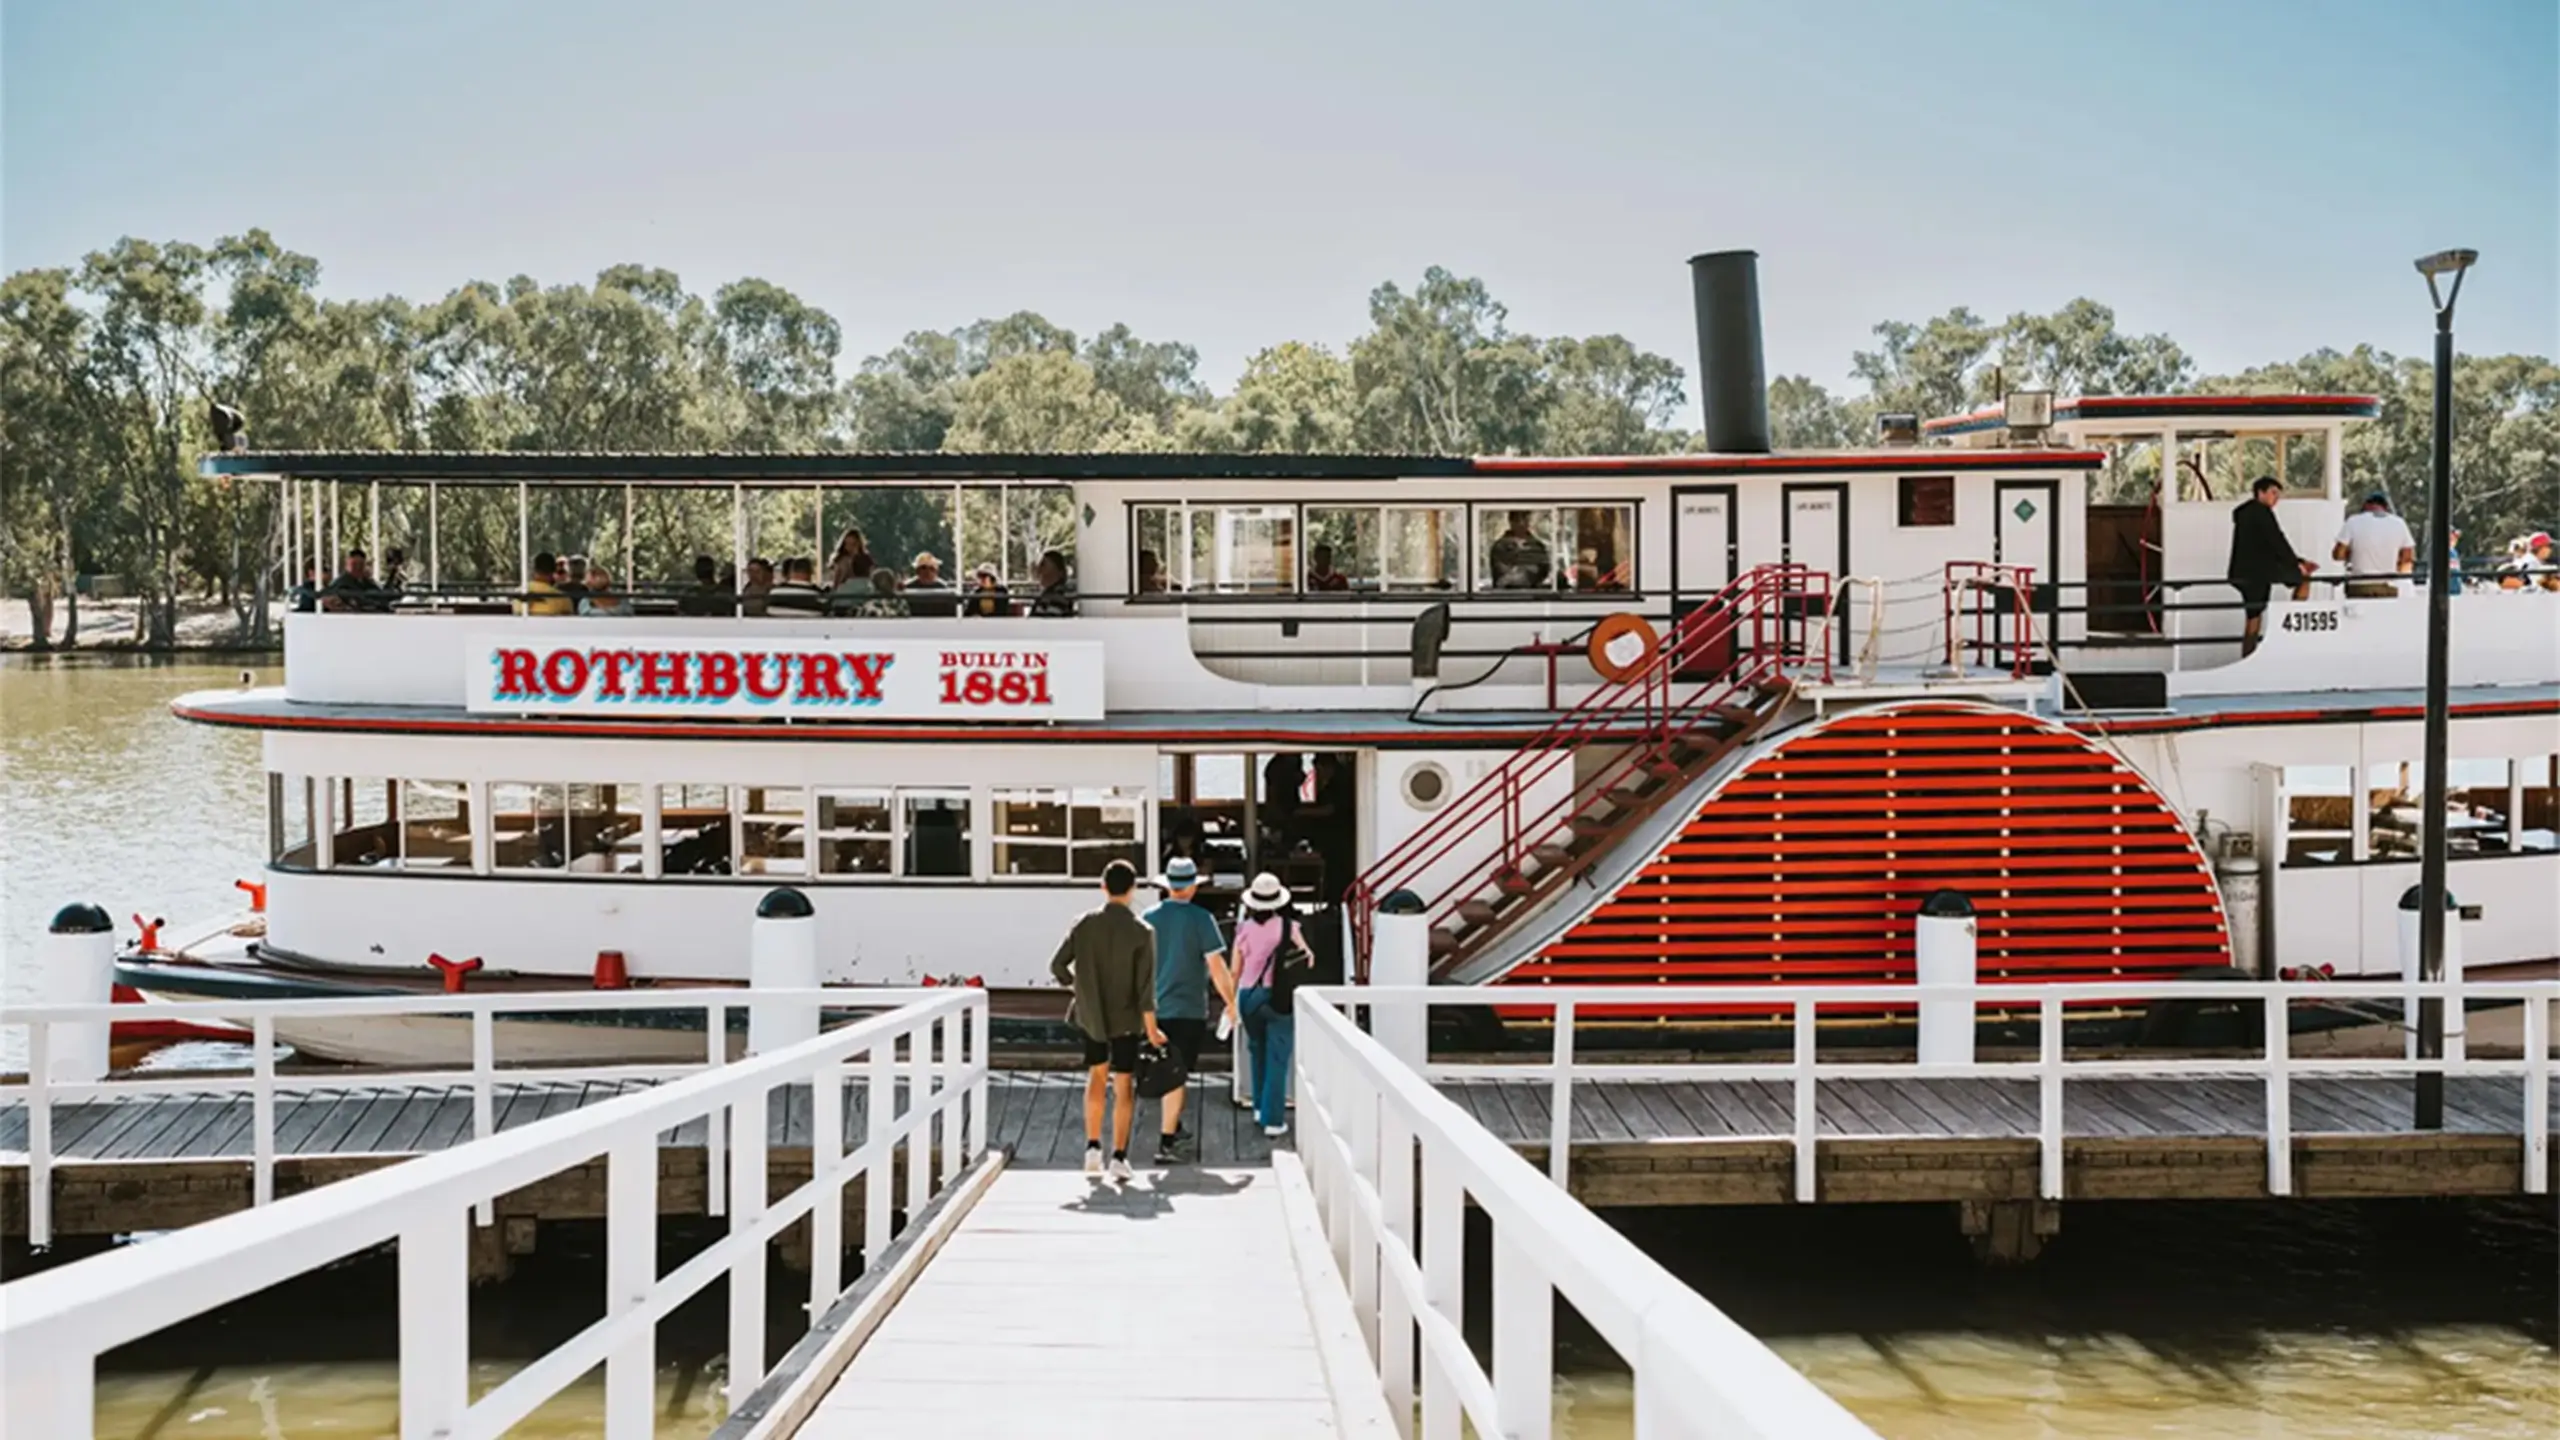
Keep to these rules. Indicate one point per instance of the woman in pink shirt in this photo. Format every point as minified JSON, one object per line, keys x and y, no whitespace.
{"x":1270,"y":1035}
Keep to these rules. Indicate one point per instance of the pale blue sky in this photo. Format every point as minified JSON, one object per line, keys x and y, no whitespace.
{"x":2252,"y":176}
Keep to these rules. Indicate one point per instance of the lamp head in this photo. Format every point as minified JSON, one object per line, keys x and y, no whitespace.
{"x":2446,"y":262}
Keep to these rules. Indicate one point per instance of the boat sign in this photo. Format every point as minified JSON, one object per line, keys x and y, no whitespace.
{"x":834,"y":678}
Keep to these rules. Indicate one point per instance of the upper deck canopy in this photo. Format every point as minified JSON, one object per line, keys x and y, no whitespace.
{"x":2093,"y":415}
{"x":506,"y":467}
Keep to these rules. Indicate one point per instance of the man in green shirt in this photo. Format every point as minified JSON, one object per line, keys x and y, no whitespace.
{"x":1191,"y":957}
{"x":1109,"y":959}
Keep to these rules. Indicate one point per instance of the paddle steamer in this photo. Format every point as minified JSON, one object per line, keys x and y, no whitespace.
{"x":1726,"y":715}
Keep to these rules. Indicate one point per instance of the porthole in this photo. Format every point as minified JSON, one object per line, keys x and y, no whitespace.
{"x":1426,"y":786}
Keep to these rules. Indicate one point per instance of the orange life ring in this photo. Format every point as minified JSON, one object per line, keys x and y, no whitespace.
{"x":1623,"y":645}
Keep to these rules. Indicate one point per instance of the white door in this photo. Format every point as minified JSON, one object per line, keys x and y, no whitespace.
{"x":1703,"y":539}
{"x":1816,"y":536}
{"x":2026,"y":528}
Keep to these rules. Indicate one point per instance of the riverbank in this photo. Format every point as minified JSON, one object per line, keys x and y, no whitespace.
{"x":205,"y":626}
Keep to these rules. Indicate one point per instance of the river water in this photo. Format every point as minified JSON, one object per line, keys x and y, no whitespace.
{"x":2328,"y":1321}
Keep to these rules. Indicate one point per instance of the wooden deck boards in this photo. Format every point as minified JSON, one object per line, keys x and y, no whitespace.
{"x":1081,"y":1343}
{"x":169,"y":1160}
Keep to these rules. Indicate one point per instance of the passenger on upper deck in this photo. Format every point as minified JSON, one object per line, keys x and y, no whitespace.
{"x":1321,"y":575}
{"x":751,"y":596}
{"x":353,"y":588}
{"x":2375,"y":543}
{"x":306,"y":596}
{"x":798,"y":592}
{"x":1519,"y":559}
{"x":395,"y":570}
{"x":573,"y":578}
{"x":1057,"y":598}
{"x":852,"y":561}
{"x":706,"y":596}
{"x":988,"y":599}
{"x":885,"y":602}
{"x":1151,"y":577}
{"x":600,"y":598}
{"x":2261,"y":557}
{"x":542,"y":589}
{"x":927,"y":595}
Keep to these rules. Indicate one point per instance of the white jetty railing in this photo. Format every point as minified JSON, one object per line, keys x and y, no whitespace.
{"x":2275,"y":1066}
{"x":55,"y":1324}
{"x":1394,"y":1163}
{"x":43,"y":1094}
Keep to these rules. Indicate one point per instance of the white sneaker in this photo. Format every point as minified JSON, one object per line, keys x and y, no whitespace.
{"x":1120,"y":1170}
{"x":1093,"y":1159}
{"x":1275,"y":1131}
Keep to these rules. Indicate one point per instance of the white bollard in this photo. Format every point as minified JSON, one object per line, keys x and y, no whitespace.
{"x":1400,"y":955}
{"x":782,"y":956}
{"x":76,"y":965}
{"x":2453,"y":1026}
{"x":1943,"y":944}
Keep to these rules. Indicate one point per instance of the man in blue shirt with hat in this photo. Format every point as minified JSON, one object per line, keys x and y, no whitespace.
{"x":1191,"y":956}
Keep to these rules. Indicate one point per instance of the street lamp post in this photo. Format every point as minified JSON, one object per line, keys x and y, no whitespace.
{"x":2431,"y":887}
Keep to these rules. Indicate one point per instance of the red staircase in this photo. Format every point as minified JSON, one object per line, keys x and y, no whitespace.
{"x":1725,"y":669}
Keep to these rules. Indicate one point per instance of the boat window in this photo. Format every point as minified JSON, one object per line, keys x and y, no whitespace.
{"x":1244,"y":549}
{"x":528,"y":825}
{"x":773,"y":830}
{"x":1067,"y":833}
{"x":2537,"y":817}
{"x":693,"y":830}
{"x":435,"y":825}
{"x":1926,"y":500}
{"x":1555,"y":547}
{"x":853,"y":832}
{"x":2319,"y":814}
{"x":2475,"y":805}
{"x":1385,"y":547}
{"x":606,"y":833}
{"x":362,"y":837}
{"x":936,"y":833}
{"x":290,"y":801}
{"x":1030,"y":832}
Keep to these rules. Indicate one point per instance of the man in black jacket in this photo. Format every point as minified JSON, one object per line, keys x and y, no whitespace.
{"x":2261,"y":558}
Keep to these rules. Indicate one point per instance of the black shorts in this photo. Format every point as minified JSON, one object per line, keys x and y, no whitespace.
{"x":1188,"y":1038}
{"x":1120,"y":1052}
{"x":2253,"y":599}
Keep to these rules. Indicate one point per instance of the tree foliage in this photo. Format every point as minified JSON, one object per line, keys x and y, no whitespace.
{"x":106,"y":368}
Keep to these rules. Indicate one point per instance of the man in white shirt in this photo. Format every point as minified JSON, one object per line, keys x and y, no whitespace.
{"x":2375,"y":542}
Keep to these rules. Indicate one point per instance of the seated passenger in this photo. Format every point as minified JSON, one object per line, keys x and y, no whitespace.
{"x":353,"y":588}
{"x":1518,"y":559}
{"x":706,"y":596}
{"x":1321,"y":576}
{"x":1057,"y":598}
{"x":927,"y":595}
{"x":752,"y":596}
{"x":988,"y":599}
{"x":542,"y":589}
{"x":852,"y":563}
{"x":885,"y":602}
{"x":573,"y":576}
{"x":600,"y":598}
{"x":798,"y":593}
{"x":1151,"y":577}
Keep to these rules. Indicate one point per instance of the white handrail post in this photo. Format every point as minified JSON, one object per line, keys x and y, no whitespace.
{"x":1524,"y":1315}
{"x":435,"y":1326}
{"x":262,"y":1110}
{"x":746,"y":1267}
{"x":2279,"y":1020}
{"x":949,"y":1091}
{"x":1444,"y":1238}
{"x":826,"y":1172}
{"x":1395,"y":1309}
{"x":1560,"y":1100}
{"x":715,"y":1178}
{"x":918,"y":1120}
{"x":484,"y":1094}
{"x":2537,"y":1095}
{"x":1808,"y":1105}
{"x":880,"y":1103}
{"x":2049,"y":1096}
{"x":981,"y":1053}
{"x":630,"y":1270}
{"x":39,"y":1132}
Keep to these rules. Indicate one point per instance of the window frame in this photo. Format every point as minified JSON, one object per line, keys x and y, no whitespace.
{"x":1470,"y":582}
{"x":1480,"y":537}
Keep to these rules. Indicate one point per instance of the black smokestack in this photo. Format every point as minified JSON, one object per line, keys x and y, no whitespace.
{"x":1732,"y":383}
